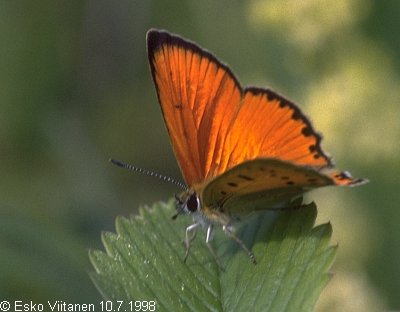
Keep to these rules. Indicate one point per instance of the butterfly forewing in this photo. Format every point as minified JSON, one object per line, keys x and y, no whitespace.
{"x":270,"y":126}
{"x":199,"y":97}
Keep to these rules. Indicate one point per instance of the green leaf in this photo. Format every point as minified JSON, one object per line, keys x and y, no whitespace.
{"x":144,"y":261}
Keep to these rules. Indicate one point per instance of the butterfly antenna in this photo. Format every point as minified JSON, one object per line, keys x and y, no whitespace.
{"x":148,"y":172}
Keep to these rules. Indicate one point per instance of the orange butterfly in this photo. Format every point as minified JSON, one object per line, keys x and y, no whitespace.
{"x":239,"y":149}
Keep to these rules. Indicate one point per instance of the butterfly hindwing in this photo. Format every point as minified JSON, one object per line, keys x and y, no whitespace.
{"x":271,"y":177}
{"x":344,"y":178}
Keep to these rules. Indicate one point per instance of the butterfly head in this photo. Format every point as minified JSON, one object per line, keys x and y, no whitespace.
{"x":187,"y":202}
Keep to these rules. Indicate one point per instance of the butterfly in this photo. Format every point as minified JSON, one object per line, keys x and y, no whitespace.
{"x":240,"y":149}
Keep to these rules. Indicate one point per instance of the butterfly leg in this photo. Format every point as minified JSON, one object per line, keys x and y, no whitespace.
{"x":232,"y":236}
{"x":191,"y":229}
{"x":210,"y":231}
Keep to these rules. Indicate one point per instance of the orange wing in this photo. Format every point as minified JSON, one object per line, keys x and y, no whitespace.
{"x":345,"y":178}
{"x":268,"y":125}
{"x":199,"y":98}
{"x":215,"y":124}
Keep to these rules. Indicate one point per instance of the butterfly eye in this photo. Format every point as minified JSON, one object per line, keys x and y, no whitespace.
{"x":193,"y":203}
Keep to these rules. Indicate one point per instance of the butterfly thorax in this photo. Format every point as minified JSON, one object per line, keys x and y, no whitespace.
{"x":190,"y":202}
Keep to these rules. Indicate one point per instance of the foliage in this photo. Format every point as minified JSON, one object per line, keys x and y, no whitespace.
{"x":144,"y":261}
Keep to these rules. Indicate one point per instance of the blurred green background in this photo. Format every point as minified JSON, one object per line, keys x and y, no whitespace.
{"x":75,"y":89}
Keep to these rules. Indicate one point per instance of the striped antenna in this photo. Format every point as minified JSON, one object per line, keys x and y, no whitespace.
{"x":148,"y":172}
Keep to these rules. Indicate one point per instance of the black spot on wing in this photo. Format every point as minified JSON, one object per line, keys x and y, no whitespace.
{"x":343,"y":175}
{"x":244,"y":177}
{"x":312,"y":148}
{"x":297,"y":114}
{"x":307,"y":131}
{"x":272,"y":173}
